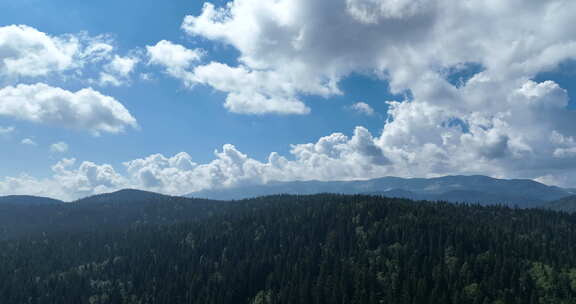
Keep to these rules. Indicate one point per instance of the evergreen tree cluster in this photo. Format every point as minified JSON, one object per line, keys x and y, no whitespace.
{"x":306,"y":249}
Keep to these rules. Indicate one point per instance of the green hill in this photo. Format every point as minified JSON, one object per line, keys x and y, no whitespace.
{"x":117,"y":210}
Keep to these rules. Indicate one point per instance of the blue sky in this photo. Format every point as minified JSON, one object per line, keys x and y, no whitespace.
{"x":172,"y":117}
{"x":248,"y":78}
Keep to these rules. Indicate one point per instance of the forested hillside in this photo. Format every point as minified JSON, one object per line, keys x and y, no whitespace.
{"x":112,"y":211}
{"x":567,"y":204}
{"x":307,"y":249}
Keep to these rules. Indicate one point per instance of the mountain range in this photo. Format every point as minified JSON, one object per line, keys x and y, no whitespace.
{"x":523,"y":193}
{"x":480,"y":189}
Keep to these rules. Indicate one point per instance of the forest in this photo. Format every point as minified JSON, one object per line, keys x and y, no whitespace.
{"x":323,"y":248}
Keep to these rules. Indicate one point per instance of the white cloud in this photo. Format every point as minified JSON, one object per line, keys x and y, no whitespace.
{"x":28,"y":142}
{"x":25,"y":51}
{"x":404,"y":40}
{"x":249,"y":91}
{"x":117,"y":72}
{"x":175,"y":58}
{"x":59,"y":147}
{"x":28,"y":52}
{"x":85,"y":179}
{"x":363,"y":108}
{"x":123,"y":65}
{"x":334,"y":155}
{"x":86,"y":109}
{"x":93,"y":48}
{"x":498,"y":122}
{"x":69,"y":181}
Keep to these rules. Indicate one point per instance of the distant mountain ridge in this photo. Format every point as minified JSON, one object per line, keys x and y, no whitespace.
{"x":460,"y":188}
{"x":124,"y":195}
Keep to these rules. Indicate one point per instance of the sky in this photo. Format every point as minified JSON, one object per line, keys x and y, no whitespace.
{"x":184,"y":95}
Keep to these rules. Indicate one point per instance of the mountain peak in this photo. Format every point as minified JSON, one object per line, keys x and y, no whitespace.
{"x":124,"y":195}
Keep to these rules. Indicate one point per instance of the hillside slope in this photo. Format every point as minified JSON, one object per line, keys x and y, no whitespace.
{"x":117,"y":210}
{"x":308,"y":249}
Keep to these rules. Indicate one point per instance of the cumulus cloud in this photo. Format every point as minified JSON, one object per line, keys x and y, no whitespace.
{"x":28,"y":52}
{"x":25,"y":51}
{"x":27,"y":55}
{"x":496,"y":120}
{"x":176,"y":59}
{"x":398,"y":39}
{"x":354,"y":157}
{"x":86,"y":109}
{"x":249,"y":91}
{"x":362,"y":108}
{"x":86,"y":178}
{"x":70,"y":180}
{"x":59,"y":147}
{"x":333,"y":157}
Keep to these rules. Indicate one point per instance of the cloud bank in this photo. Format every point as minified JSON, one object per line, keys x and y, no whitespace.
{"x":468,"y":67}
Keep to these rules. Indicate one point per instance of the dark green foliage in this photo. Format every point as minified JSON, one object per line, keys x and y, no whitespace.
{"x":111,"y":211}
{"x":307,"y":249}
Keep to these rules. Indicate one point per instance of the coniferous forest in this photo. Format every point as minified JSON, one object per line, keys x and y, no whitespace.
{"x":292,"y":249}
